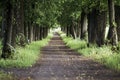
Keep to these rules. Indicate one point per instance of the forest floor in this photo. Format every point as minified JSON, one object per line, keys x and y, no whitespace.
{"x":59,"y":62}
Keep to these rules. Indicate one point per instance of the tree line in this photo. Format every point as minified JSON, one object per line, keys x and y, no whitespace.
{"x":24,"y":21}
{"x":89,"y":19}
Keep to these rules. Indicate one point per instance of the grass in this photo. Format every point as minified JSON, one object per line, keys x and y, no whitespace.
{"x":25,"y":57}
{"x":103,"y":54}
{"x":4,"y":76}
{"x":74,"y":43}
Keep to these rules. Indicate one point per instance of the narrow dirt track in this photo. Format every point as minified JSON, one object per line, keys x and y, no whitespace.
{"x":58,"y":62}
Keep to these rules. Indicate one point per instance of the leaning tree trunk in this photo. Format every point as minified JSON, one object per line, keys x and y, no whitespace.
{"x":117,"y":19}
{"x":112,"y":35}
{"x":6,"y":50}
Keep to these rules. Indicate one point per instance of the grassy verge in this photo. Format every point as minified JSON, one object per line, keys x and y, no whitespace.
{"x":25,"y":57}
{"x":103,"y":54}
{"x":4,"y":76}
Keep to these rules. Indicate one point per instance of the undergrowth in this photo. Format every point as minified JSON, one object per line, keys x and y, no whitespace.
{"x":25,"y":57}
{"x":103,"y":54}
{"x":4,"y":76}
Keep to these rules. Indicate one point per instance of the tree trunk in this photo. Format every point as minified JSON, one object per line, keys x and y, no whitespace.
{"x":3,"y":23}
{"x":6,"y":50}
{"x":68,"y":31}
{"x":64,"y":29}
{"x":34,"y":36}
{"x":40,"y":33}
{"x":21,"y":16}
{"x":30,"y":32}
{"x":117,"y":19}
{"x":83,"y":25}
{"x":20,"y":22}
{"x":36,"y":32}
{"x":44,"y":32}
{"x":101,"y":21}
{"x":14,"y":35}
{"x":96,"y":27}
{"x":26,"y":31}
{"x":14,"y":29}
{"x":74,"y":32}
{"x":92,"y":27}
{"x":112,"y":35}
{"x":78,"y":29}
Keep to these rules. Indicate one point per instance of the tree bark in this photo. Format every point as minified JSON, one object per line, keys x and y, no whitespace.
{"x":71,"y":32}
{"x":34,"y":32}
{"x":26,"y":31}
{"x":101,"y":21}
{"x":30,"y":32}
{"x":40,"y":37}
{"x":14,"y":32}
{"x":68,"y":30}
{"x":21,"y":16}
{"x":96,"y":27}
{"x":92,"y":27}
{"x":6,"y":51}
{"x":117,"y":19}
{"x":112,"y":35}
{"x":83,"y":25}
{"x":74,"y":32}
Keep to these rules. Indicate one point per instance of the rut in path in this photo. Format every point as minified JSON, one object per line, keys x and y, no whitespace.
{"x":58,"y":62}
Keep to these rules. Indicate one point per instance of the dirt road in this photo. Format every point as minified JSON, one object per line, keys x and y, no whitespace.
{"x":58,"y":62}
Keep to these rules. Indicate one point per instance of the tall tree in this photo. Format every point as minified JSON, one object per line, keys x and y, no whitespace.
{"x":112,"y":35}
{"x":83,"y":24}
{"x":6,"y":51}
{"x":117,"y":19}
